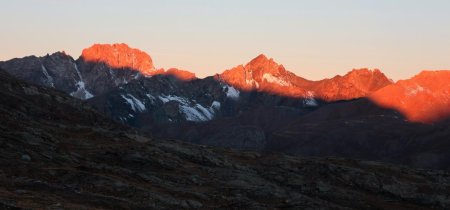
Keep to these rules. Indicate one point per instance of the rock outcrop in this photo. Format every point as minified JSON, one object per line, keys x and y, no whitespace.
{"x":120,"y":56}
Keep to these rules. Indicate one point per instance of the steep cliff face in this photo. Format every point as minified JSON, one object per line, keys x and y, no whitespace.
{"x":107,"y":66}
{"x":423,"y":98}
{"x":119,"y":56}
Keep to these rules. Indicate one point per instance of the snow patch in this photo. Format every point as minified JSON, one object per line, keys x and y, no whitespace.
{"x":168,"y":98}
{"x":198,"y":113}
{"x":152,"y":98}
{"x":252,"y":82}
{"x":231,"y":92}
{"x":49,"y":78}
{"x":192,"y":114}
{"x":309,"y":100}
{"x":135,"y":104}
{"x":249,"y":79}
{"x":81,"y":91}
{"x":273,"y":79}
{"x":415,"y":90}
{"x":215,"y":105}
{"x":193,"y":111}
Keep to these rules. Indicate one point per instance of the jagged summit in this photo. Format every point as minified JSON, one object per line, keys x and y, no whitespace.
{"x":60,"y":53}
{"x":265,"y":75}
{"x":364,"y":72}
{"x":261,"y":58}
{"x":260,"y":73}
{"x":262,"y":64}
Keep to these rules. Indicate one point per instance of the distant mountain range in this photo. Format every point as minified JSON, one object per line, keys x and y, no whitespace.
{"x":260,"y":105}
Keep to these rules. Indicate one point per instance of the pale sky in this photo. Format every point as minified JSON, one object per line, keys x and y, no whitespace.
{"x":314,"y":39}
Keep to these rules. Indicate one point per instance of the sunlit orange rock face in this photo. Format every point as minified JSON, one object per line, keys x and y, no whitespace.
{"x":180,"y":74}
{"x":120,"y":56}
{"x":424,"y":98}
{"x":355,"y":84}
{"x":265,"y":75}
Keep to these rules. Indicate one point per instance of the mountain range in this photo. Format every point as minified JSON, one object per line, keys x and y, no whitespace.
{"x":57,"y":152}
{"x":259,"y":106}
{"x":109,"y":130}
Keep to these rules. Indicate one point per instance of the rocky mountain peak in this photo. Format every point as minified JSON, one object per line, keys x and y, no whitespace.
{"x":367,"y":73}
{"x":367,"y":79}
{"x":261,"y":58}
{"x":120,"y":56}
{"x":60,"y":55}
{"x":257,"y":73}
{"x":433,"y":78}
{"x":261,"y":64}
{"x":363,"y":72}
{"x":355,"y":84}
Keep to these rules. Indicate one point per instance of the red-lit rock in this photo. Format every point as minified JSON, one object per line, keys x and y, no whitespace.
{"x":265,"y":75}
{"x":423,"y":98}
{"x":120,"y":56}
{"x":355,"y":84}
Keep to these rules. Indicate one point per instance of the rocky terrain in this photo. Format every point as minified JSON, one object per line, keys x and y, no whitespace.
{"x":259,"y":106}
{"x":58,"y":153}
{"x":165,"y":99}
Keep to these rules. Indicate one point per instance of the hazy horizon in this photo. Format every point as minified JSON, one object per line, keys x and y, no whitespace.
{"x":313,"y":39}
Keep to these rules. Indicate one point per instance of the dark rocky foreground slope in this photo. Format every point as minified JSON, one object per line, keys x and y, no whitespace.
{"x":57,"y":153}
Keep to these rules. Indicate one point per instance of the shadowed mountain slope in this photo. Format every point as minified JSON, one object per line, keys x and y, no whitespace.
{"x":58,"y":153}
